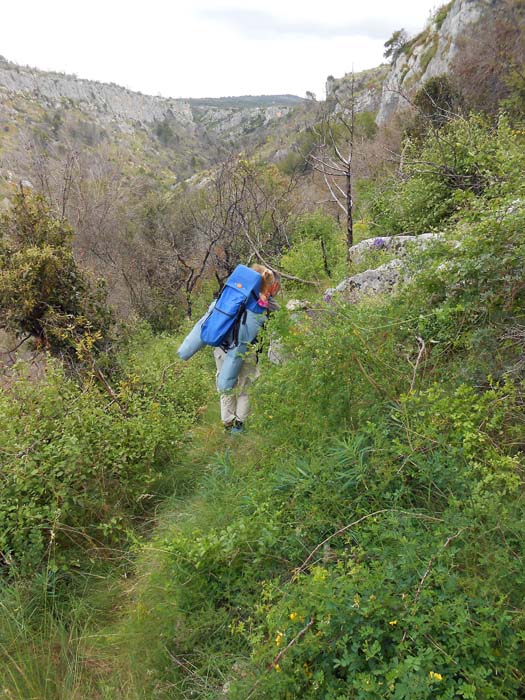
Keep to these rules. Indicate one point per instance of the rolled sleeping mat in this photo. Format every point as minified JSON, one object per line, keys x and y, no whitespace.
{"x":192,"y":343}
{"x":231,"y":367}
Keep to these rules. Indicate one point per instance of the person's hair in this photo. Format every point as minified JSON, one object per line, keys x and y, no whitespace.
{"x":268,"y":277}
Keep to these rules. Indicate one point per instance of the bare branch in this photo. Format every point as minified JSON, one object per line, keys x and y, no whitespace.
{"x":340,"y":204}
{"x":291,"y":643}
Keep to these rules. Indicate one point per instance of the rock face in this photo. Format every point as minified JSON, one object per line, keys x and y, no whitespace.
{"x":236,"y":122}
{"x":108,"y":101}
{"x":367,"y":89}
{"x":428,"y":54}
{"x":174,"y":136}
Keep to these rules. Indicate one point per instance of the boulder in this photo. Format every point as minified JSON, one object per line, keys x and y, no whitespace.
{"x":382,"y":279}
{"x":385,"y":277}
{"x":392,"y":244}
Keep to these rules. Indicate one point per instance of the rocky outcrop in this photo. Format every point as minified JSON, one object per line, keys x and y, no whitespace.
{"x":391,"y":244}
{"x":179,"y":136}
{"x":383,"y":278}
{"x":107,"y":101}
{"x":378,"y":281}
{"x":428,"y":54}
{"x":367,"y":88}
{"x":237,"y":122}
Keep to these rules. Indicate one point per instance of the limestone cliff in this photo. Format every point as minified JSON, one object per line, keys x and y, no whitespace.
{"x":181,"y":136}
{"x":107,"y":101}
{"x":430,"y":53}
{"x":110,"y":103}
{"x":368,"y":86}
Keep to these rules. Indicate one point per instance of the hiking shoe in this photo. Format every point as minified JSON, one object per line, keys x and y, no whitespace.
{"x":238,"y":427}
{"x":228,"y":427}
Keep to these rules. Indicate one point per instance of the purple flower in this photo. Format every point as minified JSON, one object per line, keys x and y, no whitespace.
{"x":327,"y":298}
{"x":379,"y":243}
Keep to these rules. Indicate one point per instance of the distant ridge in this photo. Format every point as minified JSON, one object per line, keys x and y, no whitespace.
{"x":246,"y":101}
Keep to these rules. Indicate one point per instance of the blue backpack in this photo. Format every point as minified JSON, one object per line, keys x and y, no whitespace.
{"x":240,"y":292}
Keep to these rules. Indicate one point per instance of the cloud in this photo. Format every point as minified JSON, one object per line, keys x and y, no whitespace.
{"x":258,"y":24}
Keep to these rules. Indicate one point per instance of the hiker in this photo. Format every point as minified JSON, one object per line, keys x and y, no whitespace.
{"x":231,"y":325}
{"x":235,"y":405}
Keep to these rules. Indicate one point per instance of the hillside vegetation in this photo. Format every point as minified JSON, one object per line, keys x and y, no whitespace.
{"x":363,"y":538}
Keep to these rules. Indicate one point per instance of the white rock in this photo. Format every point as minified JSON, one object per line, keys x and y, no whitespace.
{"x":393,"y":244}
{"x":297,"y":305}
{"x":382,"y":279}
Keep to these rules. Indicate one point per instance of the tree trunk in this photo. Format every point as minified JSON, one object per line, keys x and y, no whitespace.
{"x":349,"y":215}
{"x":325,"y":259}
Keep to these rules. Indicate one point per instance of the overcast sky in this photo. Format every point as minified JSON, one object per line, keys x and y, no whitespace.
{"x":205,"y":48}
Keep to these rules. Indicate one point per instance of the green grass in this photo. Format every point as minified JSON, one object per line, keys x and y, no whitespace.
{"x":50,"y":646}
{"x":61,"y":636}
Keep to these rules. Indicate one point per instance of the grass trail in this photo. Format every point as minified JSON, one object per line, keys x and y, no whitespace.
{"x":49,"y":654}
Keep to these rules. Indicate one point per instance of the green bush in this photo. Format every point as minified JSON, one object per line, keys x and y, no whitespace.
{"x":435,"y":101}
{"x":43,"y":293}
{"x":318,"y":248}
{"x":296,"y":160}
{"x":475,"y":286}
{"x":416,"y":592}
{"x":465,"y":159}
{"x":441,"y":14}
{"x":78,"y":467}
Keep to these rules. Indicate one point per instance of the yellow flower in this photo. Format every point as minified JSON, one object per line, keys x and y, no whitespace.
{"x":393,"y":623}
{"x":278,"y":638}
{"x":307,"y":671}
{"x":293,"y":616}
{"x":435,"y":676}
{"x":319,"y":573}
{"x":277,"y":668}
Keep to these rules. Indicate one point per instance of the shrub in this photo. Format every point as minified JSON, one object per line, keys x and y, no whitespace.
{"x":296,"y":160}
{"x":416,"y":591}
{"x":437,"y":103}
{"x":317,"y":249}
{"x":43,"y":293}
{"x":76,"y":468}
{"x":465,"y":159}
{"x":441,"y":14}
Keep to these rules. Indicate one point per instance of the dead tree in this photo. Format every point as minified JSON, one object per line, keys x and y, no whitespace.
{"x":334,"y":156}
{"x":242,"y":214}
